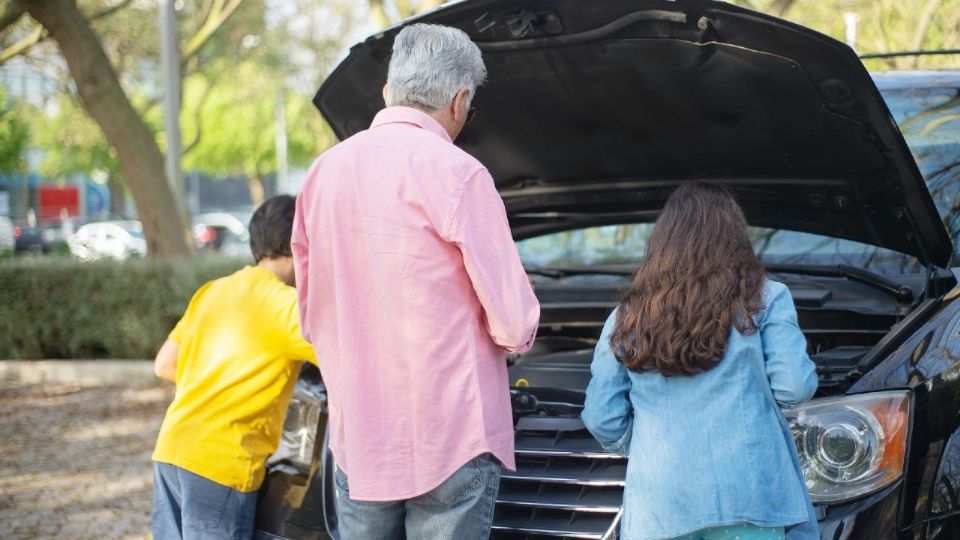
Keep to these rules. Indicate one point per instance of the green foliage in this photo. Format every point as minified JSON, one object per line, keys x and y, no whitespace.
{"x":61,"y":308}
{"x":237,"y":123}
{"x":883,"y":26}
{"x":14,"y":135}
{"x":73,"y":143}
{"x":230,"y":107}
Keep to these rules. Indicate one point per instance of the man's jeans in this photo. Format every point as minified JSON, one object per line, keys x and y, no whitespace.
{"x":461,"y":508}
{"x":188,"y":506}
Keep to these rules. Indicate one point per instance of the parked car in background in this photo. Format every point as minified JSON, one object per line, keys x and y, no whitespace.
{"x":28,"y":239}
{"x":594,"y":112}
{"x":926,"y":106}
{"x":6,"y":236}
{"x":117,"y":240}
{"x":223,"y":233}
{"x":57,"y":234}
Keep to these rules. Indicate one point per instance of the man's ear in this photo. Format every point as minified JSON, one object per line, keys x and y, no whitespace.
{"x":384,"y":93}
{"x":461,"y":104}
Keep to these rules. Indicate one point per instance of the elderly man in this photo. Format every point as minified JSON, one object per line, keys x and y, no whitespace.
{"x":411,"y":291}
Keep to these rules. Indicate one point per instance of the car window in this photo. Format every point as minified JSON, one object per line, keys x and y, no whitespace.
{"x":929,"y":119}
{"x":618,"y":244}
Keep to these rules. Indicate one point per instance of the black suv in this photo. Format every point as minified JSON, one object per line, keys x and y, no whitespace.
{"x":594,"y":112}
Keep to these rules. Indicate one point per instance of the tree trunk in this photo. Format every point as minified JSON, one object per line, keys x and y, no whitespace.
{"x":167,"y":233}
{"x":255,"y":183}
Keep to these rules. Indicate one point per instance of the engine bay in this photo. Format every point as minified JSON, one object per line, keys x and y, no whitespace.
{"x":843,"y":321}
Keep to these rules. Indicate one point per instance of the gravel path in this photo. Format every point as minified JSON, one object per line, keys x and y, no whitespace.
{"x":75,"y":459}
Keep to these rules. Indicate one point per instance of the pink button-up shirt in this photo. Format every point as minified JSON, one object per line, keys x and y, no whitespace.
{"x":411,"y":290}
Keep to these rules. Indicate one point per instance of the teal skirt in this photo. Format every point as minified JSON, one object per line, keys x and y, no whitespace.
{"x":736,"y":532}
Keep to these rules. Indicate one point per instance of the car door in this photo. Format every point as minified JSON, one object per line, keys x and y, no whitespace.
{"x":89,"y":243}
{"x":100,"y":243}
{"x":113,"y":242}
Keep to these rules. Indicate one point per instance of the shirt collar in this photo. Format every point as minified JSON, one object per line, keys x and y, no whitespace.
{"x":409,"y":115}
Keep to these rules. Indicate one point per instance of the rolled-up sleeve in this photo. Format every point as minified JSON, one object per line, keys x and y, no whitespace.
{"x":792,"y":375}
{"x":478,"y":227}
{"x":607,"y":411}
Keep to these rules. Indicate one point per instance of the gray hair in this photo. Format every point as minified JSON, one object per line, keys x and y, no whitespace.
{"x":430,"y":64}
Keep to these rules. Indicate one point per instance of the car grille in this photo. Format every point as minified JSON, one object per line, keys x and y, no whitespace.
{"x":565,"y":486}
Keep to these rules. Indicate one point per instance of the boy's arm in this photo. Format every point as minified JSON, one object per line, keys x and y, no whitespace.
{"x":301,"y":350}
{"x":298,"y":347}
{"x":165,"y":364}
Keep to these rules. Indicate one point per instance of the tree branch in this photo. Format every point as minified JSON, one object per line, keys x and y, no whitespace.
{"x":882,"y":40}
{"x":926,"y":19}
{"x":220,"y":11}
{"x":219,"y":14}
{"x":40,"y":34}
{"x":196,"y":113}
{"x":953,"y":31}
{"x":24,"y":45}
{"x":11,"y":15}
{"x":149,"y":105}
{"x":111,"y":10}
{"x":205,"y":9}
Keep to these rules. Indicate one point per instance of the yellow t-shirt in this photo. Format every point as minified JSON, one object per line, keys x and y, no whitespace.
{"x":240,"y":351}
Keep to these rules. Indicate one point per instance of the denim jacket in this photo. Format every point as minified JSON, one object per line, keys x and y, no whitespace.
{"x":711,"y":449}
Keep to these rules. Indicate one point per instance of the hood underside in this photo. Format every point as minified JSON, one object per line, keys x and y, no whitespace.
{"x":595,"y":111}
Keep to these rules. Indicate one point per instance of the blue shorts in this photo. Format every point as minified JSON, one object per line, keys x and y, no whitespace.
{"x":188,"y":506}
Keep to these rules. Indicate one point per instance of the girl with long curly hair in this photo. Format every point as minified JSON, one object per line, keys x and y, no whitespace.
{"x":688,"y":379}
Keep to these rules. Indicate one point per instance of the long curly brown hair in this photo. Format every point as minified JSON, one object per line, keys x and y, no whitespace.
{"x":700,"y":276}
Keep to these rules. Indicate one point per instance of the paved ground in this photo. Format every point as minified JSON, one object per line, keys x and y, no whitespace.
{"x":75,"y":459}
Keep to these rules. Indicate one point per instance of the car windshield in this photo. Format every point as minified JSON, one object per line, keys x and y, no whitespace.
{"x":930,"y":122}
{"x":619,"y":244}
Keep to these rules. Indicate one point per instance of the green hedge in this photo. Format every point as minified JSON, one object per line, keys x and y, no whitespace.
{"x":61,"y":308}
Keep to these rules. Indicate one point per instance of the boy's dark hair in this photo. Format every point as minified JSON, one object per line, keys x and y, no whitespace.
{"x":271,"y":227}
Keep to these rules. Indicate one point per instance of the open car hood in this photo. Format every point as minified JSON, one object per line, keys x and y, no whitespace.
{"x":595,"y":111}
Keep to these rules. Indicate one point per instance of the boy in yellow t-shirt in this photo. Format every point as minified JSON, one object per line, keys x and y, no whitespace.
{"x":234,"y":356}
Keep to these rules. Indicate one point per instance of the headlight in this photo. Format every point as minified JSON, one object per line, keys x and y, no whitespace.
{"x":851,"y":446}
{"x":299,"y":435}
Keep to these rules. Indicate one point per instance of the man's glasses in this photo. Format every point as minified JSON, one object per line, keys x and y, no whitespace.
{"x":471,"y":114}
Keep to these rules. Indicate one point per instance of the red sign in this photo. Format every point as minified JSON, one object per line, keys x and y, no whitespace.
{"x":54,"y":199}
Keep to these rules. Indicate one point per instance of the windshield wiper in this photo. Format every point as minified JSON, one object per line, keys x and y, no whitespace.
{"x":560,"y":273}
{"x":902,"y":293}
